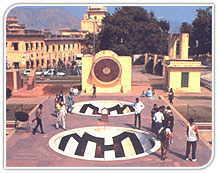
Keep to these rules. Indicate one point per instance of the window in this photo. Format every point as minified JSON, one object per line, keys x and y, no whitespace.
{"x":42,"y":45}
{"x":178,"y":48}
{"x":47,"y":48}
{"x":15,"y":45}
{"x":31,"y":46}
{"x":37,"y":45}
{"x":185,"y":79}
{"x":53,"y":47}
{"x":27,"y":46}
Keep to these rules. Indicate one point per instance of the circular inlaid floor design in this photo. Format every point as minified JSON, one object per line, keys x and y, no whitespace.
{"x":104,"y":143}
{"x":93,"y":108}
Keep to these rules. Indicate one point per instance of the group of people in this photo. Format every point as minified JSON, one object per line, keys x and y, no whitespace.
{"x":162,"y":124}
{"x":162,"y":121}
{"x":61,"y":109}
{"x":149,"y":93}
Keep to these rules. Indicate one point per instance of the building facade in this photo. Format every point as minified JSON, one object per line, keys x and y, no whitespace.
{"x":34,"y":48}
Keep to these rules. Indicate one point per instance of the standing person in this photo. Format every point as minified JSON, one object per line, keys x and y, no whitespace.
{"x":61,"y":117}
{"x":159,"y":119}
{"x":149,"y":92}
{"x":171,"y":96}
{"x":61,"y":97}
{"x":153,"y":111}
{"x":38,"y":119}
{"x":169,"y":119}
{"x":192,"y":138}
{"x":138,"y":106}
{"x":94,"y":91}
{"x":69,"y":102}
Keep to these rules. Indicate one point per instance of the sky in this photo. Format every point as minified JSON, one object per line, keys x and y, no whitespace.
{"x":174,"y":14}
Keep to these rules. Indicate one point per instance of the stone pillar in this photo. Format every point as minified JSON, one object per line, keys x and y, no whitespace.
{"x":146,"y":58}
{"x":184,"y":46}
{"x":15,"y":77}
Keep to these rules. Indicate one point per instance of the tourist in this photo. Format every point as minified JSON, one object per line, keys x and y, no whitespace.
{"x":75,"y":91}
{"x":149,"y":92}
{"x":69,"y":102}
{"x":38,"y":118}
{"x":158,"y":119}
{"x":165,"y":136}
{"x":192,"y":138}
{"x":138,"y":106}
{"x":153,"y":111}
{"x":71,"y":90}
{"x":153,"y":92}
{"x":62,"y":117}
{"x":143,"y":94}
{"x":61,"y":97}
{"x":94,"y":91}
{"x":171,"y":96}
{"x":169,"y":119}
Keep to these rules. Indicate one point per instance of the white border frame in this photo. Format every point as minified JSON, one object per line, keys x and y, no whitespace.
{"x":157,"y":3}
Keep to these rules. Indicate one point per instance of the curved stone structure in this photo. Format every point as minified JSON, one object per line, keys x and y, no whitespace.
{"x":93,"y":108}
{"x":104,"y":143}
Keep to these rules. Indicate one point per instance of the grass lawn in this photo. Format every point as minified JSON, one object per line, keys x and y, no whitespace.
{"x":12,"y":108}
{"x":200,"y":113}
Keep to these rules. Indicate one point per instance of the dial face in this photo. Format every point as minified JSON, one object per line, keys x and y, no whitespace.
{"x":107,"y":70}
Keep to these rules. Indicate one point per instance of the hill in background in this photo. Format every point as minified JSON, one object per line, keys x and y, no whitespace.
{"x":45,"y":18}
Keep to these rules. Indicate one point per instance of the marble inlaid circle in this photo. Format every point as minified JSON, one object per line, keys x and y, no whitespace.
{"x":104,"y":143}
{"x":93,"y":108}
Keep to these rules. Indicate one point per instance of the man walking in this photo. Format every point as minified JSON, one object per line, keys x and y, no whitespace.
{"x":38,"y":119}
{"x":138,"y":106}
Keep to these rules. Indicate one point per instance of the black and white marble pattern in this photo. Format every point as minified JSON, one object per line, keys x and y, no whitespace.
{"x":104,"y":143}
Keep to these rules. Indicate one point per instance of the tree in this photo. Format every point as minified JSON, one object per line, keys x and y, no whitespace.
{"x":202,"y":31}
{"x":133,"y":30}
{"x":186,"y":28}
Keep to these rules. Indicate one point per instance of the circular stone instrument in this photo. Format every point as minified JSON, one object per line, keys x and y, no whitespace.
{"x":115,"y":107}
{"x":106,"y":71}
{"x":104,"y":143}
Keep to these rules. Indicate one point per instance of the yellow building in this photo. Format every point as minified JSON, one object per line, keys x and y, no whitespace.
{"x":33,"y":48}
{"x":92,"y":20}
{"x":106,"y":70}
{"x":182,"y":74}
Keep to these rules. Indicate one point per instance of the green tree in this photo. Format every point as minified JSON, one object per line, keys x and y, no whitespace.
{"x":186,"y":28}
{"x":202,"y":31}
{"x":133,"y":30}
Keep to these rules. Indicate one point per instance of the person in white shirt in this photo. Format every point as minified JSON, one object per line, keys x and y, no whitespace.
{"x":138,"y":106}
{"x":192,"y":138}
{"x":158,"y":119}
{"x":61,"y":117}
{"x":75,"y":91}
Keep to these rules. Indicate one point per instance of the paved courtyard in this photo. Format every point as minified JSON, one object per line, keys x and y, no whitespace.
{"x":26,"y":150}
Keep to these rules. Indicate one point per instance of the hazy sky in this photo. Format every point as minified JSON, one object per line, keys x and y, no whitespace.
{"x":174,"y":14}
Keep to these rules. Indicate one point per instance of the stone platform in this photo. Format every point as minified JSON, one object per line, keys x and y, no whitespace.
{"x":26,"y":150}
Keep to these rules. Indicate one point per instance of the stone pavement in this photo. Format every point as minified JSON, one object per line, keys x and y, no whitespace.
{"x":26,"y":150}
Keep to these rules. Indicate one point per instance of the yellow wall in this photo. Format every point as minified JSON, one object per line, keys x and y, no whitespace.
{"x":126,"y":74}
{"x":175,"y":81}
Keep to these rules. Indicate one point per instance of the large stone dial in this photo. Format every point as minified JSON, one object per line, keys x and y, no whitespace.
{"x":107,"y":70}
